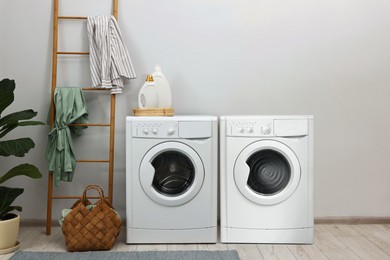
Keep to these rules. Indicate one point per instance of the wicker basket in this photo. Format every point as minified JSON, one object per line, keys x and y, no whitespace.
{"x":89,"y":230}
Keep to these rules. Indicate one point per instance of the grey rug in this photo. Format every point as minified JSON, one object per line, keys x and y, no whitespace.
{"x":147,"y":255}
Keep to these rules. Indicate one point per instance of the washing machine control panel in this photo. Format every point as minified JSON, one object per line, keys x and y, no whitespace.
{"x":250,"y":128}
{"x":155,"y":129}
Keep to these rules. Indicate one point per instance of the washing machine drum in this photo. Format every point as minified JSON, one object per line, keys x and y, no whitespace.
{"x":174,"y":173}
{"x":171,"y":173}
{"x":270,"y":172}
{"x":267,"y":172}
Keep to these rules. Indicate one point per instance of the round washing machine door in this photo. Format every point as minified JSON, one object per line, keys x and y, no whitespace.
{"x":267,"y":172}
{"x":171,"y":173}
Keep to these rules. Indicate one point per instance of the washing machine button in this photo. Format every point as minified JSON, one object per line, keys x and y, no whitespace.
{"x":266,"y":130}
{"x":171,"y":131}
{"x":155,"y":131}
{"x":146,"y":131}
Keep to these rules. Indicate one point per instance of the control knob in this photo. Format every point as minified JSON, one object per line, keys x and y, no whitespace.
{"x":266,"y":130}
{"x":146,"y":131}
{"x":171,"y":131}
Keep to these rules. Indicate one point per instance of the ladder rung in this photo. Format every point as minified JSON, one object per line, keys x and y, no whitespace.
{"x":75,"y":197}
{"x":94,"y":161}
{"x":73,"y":52}
{"x":93,"y":89}
{"x":72,"y":17}
{"x":90,"y":125}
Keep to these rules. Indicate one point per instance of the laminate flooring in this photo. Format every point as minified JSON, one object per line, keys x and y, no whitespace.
{"x":331,"y":242}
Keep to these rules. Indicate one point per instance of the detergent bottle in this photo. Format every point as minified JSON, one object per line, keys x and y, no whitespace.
{"x":148,"y":96}
{"x":163,"y":88}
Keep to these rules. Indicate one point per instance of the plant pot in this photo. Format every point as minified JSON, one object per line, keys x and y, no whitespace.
{"x":9,"y":230}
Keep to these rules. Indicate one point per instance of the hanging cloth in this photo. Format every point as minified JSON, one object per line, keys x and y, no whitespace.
{"x":109,"y":58}
{"x":70,"y":109}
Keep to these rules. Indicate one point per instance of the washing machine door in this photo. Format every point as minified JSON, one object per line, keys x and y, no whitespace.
{"x":267,"y":172}
{"x":171,"y":173}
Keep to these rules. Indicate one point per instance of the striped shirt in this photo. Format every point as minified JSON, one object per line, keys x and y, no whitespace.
{"x":109,"y":59}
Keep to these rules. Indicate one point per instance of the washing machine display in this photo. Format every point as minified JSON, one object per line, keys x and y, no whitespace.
{"x":171,"y":173}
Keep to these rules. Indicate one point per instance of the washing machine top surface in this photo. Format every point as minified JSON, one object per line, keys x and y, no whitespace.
{"x":259,"y":117}
{"x":175,"y":118}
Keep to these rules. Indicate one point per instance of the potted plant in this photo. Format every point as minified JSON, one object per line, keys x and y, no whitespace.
{"x":9,"y":221}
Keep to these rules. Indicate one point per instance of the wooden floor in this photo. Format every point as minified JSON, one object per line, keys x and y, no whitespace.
{"x":331,"y":242}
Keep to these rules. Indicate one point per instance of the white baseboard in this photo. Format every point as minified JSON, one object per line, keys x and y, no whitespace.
{"x":318,"y":220}
{"x":352,"y":220}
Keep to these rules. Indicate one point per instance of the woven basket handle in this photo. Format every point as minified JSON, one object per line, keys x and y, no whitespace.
{"x":93,"y":187}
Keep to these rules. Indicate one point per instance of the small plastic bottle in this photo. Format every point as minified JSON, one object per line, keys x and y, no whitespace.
{"x":148,"y":96}
{"x":163,"y":88}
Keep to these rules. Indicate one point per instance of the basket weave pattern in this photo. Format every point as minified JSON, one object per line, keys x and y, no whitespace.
{"x":89,"y":230}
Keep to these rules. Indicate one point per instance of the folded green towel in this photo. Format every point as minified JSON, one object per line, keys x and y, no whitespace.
{"x":65,"y":212}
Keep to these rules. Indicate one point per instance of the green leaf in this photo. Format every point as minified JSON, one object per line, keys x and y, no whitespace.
{"x":17,"y":147}
{"x":28,"y":123}
{"x":8,"y":128}
{"x":25,"y":169}
{"x":11,"y":121}
{"x":17,"y":116}
{"x":7,"y":88}
{"x":18,"y":208}
{"x":7,"y":196}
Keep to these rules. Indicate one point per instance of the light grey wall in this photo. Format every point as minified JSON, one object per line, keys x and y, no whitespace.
{"x":330,"y":59}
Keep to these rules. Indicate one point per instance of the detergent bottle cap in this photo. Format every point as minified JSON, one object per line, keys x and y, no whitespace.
{"x":149,"y":78}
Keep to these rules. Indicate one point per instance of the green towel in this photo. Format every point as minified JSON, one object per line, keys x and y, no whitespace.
{"x":65,"y":212}
{"x":70,"y":108}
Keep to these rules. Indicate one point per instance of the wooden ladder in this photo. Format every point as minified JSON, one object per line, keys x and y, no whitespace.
{"x":111,"y":125}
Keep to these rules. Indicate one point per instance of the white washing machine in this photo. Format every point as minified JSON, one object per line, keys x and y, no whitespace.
{"x":266,"y":165}
{"x":171,"y":179}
